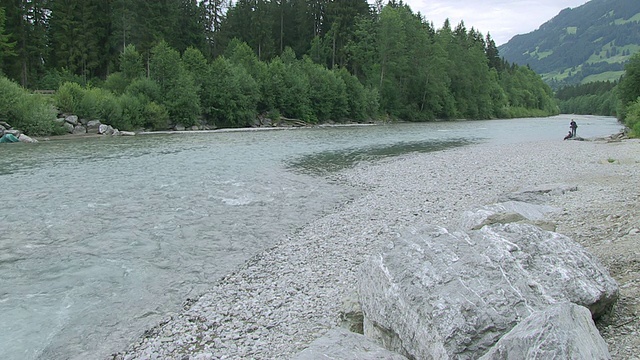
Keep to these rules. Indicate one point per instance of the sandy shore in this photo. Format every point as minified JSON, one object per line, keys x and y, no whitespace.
{"x":284,"y":298}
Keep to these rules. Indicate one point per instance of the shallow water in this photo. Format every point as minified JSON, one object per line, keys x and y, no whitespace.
{"x":101,"y":238}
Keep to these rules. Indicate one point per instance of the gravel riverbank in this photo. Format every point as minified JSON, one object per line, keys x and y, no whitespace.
{"x":284,"y":298}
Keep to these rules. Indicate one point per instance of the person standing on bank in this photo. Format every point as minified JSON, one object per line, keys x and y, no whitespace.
{"x":573,"y":127}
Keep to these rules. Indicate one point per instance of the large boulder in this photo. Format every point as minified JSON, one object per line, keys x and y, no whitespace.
{"x":68,"y":127}
{"x":93,"y":126}
{"x":434,"y":294}
{"x":72,"y":119}
{"x":562,"y":331}
{"x":79,"y":129}
{"x":27,"y":139}
{"x":105,"y":129}
{"x":342,"y":344}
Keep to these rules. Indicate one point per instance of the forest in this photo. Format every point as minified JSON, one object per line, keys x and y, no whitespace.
{"x":140,"y":64}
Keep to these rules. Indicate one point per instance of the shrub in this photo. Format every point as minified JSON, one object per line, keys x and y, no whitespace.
{"x":53,"y":79}
{"x":632,"y":119}
{"x":132,"y":112}
{"x":145,"y":87}
{"x":32,"y":114}
{"x":156,"y":116}
{"x":68,"y":97}
{"x":116,"y":83}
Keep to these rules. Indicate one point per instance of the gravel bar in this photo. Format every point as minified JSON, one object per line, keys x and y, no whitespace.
{"x":287,"y":296}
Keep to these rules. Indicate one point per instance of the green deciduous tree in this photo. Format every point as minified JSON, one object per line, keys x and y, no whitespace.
{"x":233,"y":101}
{"x":178,"y":88}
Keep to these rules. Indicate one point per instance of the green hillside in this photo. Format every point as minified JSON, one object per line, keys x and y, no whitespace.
{"x":588,"y":43}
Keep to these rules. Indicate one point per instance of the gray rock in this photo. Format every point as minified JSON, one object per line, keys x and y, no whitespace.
{"x":5,"y":125}
{"x":68,"y":127}
{"x":79,"y":129}
{"x":59,"y":121}
{"x":126,"y":133}
{"x":539,"y":193}
{"x":436,"y":295}
{"x":341,"y":344}
{"x":503,"y":213}
{"x":26,"y":139}
{"x":351,"y":316}
{"x":105,"y":129}
{"x":562,"y":331}
{"x":72,"y":119}
{"x":93,"y":127}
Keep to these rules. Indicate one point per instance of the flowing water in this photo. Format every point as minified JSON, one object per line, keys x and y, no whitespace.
{"x":101,"y":238}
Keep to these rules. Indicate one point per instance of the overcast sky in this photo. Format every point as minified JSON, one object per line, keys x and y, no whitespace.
{"x":503,"y":19}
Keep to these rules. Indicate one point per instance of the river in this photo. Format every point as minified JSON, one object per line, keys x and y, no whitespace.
{"x":101,"y":238}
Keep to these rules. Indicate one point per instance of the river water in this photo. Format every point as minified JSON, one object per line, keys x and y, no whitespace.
{"x":101,"y":238}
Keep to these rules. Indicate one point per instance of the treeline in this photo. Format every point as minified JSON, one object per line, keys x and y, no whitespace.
{"x":135,"y":63}
{"x":594,"y":98}
{"x":629,"y":96}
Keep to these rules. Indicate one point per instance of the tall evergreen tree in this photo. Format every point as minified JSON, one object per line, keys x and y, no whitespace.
{"x":78,"y":31}
{"x":6,"y":46}
{"x":26,"y":21}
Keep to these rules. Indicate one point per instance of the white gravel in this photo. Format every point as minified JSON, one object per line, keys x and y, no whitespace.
{"x":287,"y":296}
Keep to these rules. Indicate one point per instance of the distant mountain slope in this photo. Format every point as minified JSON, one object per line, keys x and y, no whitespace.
{"x":587,"y":43}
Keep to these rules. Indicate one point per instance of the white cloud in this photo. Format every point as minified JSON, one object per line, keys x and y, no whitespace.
{"x":503,"y":19}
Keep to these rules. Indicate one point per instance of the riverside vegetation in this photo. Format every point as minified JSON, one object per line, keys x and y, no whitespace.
{"x":621,"y":99}
{"x":360,"y":64}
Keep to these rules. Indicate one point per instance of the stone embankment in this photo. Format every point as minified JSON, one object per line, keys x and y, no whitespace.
{"x":5,"y":128}
{"x":80,"y":126}
{"x":483,"y":252}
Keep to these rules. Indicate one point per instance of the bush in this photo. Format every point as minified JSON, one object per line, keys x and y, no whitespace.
{"x":32,"y":114}
{"x":145,"y":87}
{"x":632,"y":119}
{"x":234,"y":98}
{"x":116,"y":83}
{"x":53,"y":79}
{"x":132,"y":113}
{"x":156,"y":116}
{"x":68,"y":97}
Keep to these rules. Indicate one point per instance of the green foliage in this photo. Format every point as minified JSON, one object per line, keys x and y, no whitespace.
{"x":327,"y":92}
{"x":179,"y":89}
{"x":356,"y":96}
{"x":233,"y":101}
{"x":131,"y":65}
{"x":53,"y":79}
{"x":6,"y":45}
{"x":156,"y":116}
{"x":145,"y":87}
{"x":285,"y":88}
{"x":633,"y":118}
{"x":116,"y":83}
{"x":32,"y":114}
{"x":629,"y":87}
{"x":68,"y":97}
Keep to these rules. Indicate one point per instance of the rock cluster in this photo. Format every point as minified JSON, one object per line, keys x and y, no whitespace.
{"x":435,"y":294}
{"x":5,"y":128}
{"x":79,"y":126}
